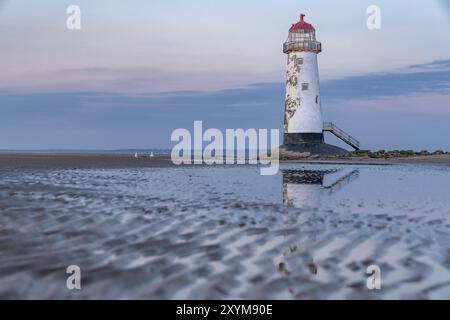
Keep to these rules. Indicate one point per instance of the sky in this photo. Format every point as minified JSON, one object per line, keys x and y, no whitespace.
{"x":139,"y":69}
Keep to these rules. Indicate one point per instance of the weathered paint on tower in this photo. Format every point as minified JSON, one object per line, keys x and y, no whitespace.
{"x":303,"y":115}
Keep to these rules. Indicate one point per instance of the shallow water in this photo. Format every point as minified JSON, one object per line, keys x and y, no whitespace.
{"x":226,"y":232}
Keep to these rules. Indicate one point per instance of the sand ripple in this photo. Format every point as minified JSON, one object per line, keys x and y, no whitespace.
{"x":215,"y":233}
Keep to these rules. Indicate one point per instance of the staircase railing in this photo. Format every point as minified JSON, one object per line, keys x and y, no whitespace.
{"x":341,"y":134}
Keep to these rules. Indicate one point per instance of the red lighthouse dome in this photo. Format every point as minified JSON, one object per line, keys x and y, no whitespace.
{"x":302,"y":25}
{"x":302,"y":37}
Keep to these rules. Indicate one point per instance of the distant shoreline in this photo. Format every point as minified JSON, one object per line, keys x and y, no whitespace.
{"x":36,"y":160}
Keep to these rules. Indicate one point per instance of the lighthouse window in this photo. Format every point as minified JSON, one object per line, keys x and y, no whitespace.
{"x":300,"y":61}
{"x":305,"y":86}
{"x":317,"y":99}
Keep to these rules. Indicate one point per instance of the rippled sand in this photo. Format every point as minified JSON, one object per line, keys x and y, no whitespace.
{"x":225,"y":232}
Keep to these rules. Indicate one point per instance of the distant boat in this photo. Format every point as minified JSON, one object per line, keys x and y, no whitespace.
{"x":136,"y":155}
{"x":151,"y":155}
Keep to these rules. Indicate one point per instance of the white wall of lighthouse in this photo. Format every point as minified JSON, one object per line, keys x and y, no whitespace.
{"x":307,"y":115}
{"x":303,"y":112}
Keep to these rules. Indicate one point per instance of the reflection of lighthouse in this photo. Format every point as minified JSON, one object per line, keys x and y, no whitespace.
{"x":304,"y":188}
{"x":303,"y":125}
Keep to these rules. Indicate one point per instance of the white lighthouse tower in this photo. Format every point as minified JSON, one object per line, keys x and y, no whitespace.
{"x":303,"y":124}
{"x":303,"y":115}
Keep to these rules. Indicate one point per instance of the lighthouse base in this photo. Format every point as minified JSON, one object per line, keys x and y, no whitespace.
{"x":305,"y":150}
{"x":302,"y":145}
{"x":301,"y":138}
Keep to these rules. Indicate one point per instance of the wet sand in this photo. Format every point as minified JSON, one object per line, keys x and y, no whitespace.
{"x":144,"y":229}
{"x":123,"y":160}
{"x":438,"y":160}
{"x":80,"y":160}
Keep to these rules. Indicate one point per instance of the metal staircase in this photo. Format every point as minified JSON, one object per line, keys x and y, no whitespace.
{"x":348,"y":139}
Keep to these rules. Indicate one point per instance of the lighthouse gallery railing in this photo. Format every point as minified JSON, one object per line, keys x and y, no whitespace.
{"x":314,"y":46}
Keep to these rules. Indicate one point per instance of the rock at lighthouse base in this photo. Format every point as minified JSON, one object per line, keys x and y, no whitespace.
{"x":307,"y":150}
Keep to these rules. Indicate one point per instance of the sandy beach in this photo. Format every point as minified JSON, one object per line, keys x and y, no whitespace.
{"x":127,"y":160}
{"x":439,"y":160}
{"x":38,"y":160}
{"x":142,"y":228}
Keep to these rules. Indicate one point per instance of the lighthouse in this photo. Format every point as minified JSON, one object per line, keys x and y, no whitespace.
{"x":303,"y":123}
{"x":303,"y":115}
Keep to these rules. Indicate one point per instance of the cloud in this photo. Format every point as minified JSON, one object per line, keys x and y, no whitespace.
{"x":127,"y":80}
{"x":422,"y":79}
{"x":360,"y":104}
{"x":435,"y":65}
{"x":425,"y":78}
